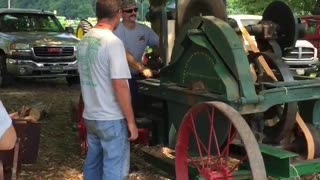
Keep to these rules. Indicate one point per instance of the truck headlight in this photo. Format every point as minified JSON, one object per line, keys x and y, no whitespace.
{"x":19,"y":46}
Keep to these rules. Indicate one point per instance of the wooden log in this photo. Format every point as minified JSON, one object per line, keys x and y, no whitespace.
{"x":31,"y":113}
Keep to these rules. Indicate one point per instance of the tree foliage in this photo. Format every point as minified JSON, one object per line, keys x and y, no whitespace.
{"x":86,"y":8}
{"x":69,"y":8}
{"x":257,"y":6}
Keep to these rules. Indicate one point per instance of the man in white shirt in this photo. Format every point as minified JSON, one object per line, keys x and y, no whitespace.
{"x":108,"y":114}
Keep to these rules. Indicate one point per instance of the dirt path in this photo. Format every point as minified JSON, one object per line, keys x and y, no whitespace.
{"x":59,"y":155}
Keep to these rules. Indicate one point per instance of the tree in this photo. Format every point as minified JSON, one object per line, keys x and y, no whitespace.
{"x":68,"y":8}
{"x":85,"y":11}
{"x":258,"y":6}
{"x":86,"y":8}
{"x":316,"y":9}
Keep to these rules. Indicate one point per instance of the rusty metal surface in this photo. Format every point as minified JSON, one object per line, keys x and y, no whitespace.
{"x":190,"y":8}
{"x":281,"y":14}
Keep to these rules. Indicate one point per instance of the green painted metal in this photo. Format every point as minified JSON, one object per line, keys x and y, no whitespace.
{"x":280,"y":92}
{"x":310,"y":111}
{"x":209,"y":64}
{"x":283,"y":92}
{"x":284,"y":165}
{"x":241,"y":173}
{"x":277,"y":161}
{"x":305,"y":167}
{"x":199,"y":61}
{"x":175,"y":117}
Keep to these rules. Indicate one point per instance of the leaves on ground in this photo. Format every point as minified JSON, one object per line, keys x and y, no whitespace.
{"x":59,"y":154}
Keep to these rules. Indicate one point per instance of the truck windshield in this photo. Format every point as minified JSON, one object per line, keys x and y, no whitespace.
{"x":27,"y":22}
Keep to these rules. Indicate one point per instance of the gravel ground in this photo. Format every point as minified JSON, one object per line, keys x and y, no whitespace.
{"x":59,"y":154}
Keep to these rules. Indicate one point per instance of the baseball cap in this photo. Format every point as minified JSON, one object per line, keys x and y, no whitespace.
{"x":127,"y":3}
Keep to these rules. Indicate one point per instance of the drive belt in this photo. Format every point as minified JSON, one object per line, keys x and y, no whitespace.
{"x":267,"y":69}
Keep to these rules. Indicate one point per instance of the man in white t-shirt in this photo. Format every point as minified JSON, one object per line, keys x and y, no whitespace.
{"x":7,"y":133}
{"x":108,"y":114}
{"x":135,"y":37}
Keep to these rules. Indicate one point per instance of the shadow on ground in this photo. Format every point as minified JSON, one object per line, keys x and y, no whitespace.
{"x":59,"y":155}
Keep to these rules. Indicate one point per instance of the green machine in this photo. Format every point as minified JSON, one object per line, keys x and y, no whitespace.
{"x":231,"y":113}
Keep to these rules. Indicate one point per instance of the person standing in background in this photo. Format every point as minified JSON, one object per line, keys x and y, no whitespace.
{"x":108,"y":113}
{"x":135,"y":37}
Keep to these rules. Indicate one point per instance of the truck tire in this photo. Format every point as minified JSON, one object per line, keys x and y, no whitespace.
{"x":83,"y":27}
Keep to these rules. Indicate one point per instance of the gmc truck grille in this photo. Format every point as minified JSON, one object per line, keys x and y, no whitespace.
{"x":53,"y":51}
{"x":300,"y":53}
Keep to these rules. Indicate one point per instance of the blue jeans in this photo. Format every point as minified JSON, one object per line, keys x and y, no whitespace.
{"x":108,"y":150}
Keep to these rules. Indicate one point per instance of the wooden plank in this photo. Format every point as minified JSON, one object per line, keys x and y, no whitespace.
{"x":255,"y":49}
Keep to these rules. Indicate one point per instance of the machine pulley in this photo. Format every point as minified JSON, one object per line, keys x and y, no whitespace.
{"x":190,"y":8}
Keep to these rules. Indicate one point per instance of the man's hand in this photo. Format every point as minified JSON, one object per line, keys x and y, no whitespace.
{"x":146,"y":72}
{"x":14,"y":116}
{"x":133,"y":131}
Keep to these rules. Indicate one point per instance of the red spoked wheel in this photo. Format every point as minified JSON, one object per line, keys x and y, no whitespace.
{"x":82,"y":132}
{"x":206,"y":142}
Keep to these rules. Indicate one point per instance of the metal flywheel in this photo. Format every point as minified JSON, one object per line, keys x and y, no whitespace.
{"x":209,"y":140}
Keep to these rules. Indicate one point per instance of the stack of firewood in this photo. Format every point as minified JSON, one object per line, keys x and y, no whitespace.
{"x":26,"y":113}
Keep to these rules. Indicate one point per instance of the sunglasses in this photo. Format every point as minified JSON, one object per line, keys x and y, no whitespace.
{"x":130,"y":10}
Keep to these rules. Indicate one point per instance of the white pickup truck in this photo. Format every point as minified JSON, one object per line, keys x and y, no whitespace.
{"x":302,"y":58}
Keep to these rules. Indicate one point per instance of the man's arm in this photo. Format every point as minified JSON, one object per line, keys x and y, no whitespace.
{"x":8,"y":139}
{"x":137,"y":66}
{"x":153,"y":40}
{"x":7,"y":133}
{"x":133,"y":63}
{"x":123,"y":96}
